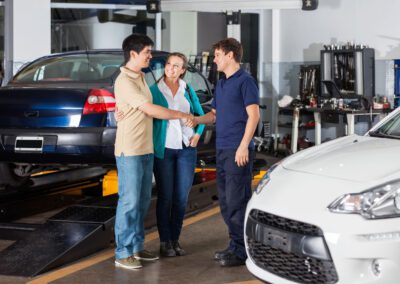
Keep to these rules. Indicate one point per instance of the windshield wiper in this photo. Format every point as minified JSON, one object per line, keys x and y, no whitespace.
{"x":377,"y":133}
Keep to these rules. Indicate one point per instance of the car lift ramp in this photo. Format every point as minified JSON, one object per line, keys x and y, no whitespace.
{"x":73,"y":233}
{"x":80,"y":230}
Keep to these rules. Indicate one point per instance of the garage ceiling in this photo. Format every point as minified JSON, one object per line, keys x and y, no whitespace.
{"x":223,"y":5}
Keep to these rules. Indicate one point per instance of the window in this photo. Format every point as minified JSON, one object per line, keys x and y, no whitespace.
{"x":75,"y":68}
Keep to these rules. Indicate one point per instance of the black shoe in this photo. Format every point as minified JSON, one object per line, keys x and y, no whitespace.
{"x":166,"y":249}
{"x":220,"y":254}
{"x":178,"y":250}
{"x":231,"y":259}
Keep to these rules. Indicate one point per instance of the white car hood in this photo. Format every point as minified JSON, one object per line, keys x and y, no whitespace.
{"x":354,"y":158}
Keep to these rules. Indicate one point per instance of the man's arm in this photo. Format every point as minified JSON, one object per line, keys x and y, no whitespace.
{"x":242,"y":153}
{"x":208,"y":118}
{"x":160,"y":112}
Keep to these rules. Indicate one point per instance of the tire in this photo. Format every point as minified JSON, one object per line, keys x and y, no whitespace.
{"x":9,"y":178}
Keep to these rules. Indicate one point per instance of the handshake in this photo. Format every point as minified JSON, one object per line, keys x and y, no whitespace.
{"x":159,"y":112}
{"x":189,"y":120}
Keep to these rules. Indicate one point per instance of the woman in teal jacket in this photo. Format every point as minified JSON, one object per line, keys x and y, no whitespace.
{"x":174,"y":151}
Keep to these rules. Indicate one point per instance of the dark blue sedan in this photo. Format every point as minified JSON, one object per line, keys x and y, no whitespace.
{"x":58,"y":112}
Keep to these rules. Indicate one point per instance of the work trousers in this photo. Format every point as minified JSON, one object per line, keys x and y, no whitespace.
{"x":234,"y":191}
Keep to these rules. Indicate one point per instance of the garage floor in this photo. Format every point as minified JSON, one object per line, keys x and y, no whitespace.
{"x":203,"y":234}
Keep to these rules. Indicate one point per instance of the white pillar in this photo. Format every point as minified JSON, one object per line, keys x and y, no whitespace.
{"x":276,"y":49}
{"x":233,"y":29}
{"x":275,"y":69}
{"x":27,"y":33}
{"x":158,"y":31}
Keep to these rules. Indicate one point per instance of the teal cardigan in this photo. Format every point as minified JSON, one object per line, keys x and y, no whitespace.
{"x":160,"y":125}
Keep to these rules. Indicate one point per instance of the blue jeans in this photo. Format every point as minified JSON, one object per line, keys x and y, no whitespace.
{"x":134,"y":189}
{"x":174,"y":178}
{"x":234,"y":191}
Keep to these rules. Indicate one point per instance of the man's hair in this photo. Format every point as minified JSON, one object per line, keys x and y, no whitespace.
{"x":230,"y":44}
{"x":135,"y":42}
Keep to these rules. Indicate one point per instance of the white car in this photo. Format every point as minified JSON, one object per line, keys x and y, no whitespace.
{"x":330,"y":213}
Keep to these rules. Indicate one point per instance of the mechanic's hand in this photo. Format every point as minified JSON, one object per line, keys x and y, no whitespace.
{"x":118,"y":115}
{"x":195,"y":121}
{"x":194,"y":140}
{"x":242,"y":156}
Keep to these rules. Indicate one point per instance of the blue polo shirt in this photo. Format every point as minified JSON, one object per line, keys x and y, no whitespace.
{"x":231,"y":98}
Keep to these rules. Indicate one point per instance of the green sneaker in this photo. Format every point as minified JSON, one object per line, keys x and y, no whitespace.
{"x":128,"y":263}
{"x":145,"y":255}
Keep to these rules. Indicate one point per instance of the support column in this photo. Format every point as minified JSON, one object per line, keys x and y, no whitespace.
{"x":275,"y":67}
{"x":158,"y":31}
{"x":233,"y":24}
{"x":27,"y":33}
{"x":317,"y":119}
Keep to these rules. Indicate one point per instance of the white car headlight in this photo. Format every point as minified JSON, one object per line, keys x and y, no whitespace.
{"x":266,"y":178}
{"x":379,"y":202}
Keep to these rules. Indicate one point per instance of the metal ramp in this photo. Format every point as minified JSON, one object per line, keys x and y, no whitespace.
{"x":78,"y":231}
{"x":73,"y":233}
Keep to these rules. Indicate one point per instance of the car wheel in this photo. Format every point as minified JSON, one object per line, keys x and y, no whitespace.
{"x":9,"y":178}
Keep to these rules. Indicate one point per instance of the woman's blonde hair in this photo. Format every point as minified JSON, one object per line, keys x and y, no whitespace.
{"x":184,"y":66}
{"x":184,"y":59}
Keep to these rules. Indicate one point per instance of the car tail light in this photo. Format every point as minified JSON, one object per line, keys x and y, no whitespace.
{"x":99,"y":101}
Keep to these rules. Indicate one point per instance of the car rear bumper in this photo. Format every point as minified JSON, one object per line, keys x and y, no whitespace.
{"x":91,"y":145}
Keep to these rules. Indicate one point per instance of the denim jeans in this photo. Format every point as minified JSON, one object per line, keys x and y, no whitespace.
{"x":234,"y":191}
{"x":174,"y":178}
{"x":134,"y":189}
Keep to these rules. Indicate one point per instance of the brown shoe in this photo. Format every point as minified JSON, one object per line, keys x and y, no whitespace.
{"x":128,"y":263}
{"x":145,"y":255}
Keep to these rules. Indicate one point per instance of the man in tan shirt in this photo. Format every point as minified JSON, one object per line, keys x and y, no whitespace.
{"x":134,"y":151}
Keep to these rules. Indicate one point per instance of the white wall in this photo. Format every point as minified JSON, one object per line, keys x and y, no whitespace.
{"x":371,"y":22}
{"x":27,"y":32}
{"x":31,"y":29}
{"x":182,"y":32}
{"x":100,"y":35}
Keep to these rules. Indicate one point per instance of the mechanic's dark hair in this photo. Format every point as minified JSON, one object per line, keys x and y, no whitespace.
{"x":230,"y":44}
{"x":135,"y":42}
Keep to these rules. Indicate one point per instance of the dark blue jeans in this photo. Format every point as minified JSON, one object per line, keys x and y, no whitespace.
{"x":174,"y":178}
{"x":234,"y":191}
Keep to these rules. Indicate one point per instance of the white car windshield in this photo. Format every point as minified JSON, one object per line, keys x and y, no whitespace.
{"x":390,"y":129}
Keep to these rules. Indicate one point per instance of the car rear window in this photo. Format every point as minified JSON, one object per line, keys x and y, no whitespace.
{"x":75,"y":68}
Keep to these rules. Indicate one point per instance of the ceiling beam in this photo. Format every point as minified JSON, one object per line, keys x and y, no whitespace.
{"x":223,"y":5}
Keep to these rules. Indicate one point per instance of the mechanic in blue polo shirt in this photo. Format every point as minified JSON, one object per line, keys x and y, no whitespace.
{"x":236,"y":111}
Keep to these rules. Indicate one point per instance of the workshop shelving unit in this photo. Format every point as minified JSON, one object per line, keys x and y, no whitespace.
{"x":351,"y":69}
{"x":293,"y":121}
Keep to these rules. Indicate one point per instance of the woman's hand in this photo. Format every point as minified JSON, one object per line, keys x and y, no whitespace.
{"x":194,"y":140}
{"x":118,"y":115}
{"x":189,"y":120}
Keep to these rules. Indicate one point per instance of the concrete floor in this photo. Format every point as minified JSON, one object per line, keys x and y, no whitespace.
{"x":202,"y":235}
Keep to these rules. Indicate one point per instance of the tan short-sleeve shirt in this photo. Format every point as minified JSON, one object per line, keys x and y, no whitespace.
{"x":135,"y":131}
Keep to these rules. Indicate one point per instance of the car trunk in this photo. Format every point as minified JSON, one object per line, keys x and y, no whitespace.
{"x":42,"y":107}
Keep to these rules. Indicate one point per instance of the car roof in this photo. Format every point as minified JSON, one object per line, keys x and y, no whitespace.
{"x":155,"y":53}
